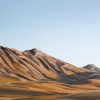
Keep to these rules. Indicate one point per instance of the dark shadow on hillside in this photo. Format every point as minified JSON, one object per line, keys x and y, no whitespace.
{"x":79,"y":78}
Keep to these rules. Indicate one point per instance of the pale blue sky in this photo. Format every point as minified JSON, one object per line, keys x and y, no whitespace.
{"x":66,"y":29}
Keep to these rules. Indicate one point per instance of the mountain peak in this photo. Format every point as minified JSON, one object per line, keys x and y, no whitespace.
{"x":92,"y":68}
{"x":34,"y":51}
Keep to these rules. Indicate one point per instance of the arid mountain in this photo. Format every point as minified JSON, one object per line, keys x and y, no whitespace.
{"x":92,"y":68}
{"x":35,"y":65}
{"x":34,"y":75}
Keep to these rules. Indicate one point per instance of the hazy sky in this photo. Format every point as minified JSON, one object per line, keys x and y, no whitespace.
{"x":66,"y":29}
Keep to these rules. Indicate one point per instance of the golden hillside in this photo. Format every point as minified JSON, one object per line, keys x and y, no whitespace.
{"x":34,"y":75}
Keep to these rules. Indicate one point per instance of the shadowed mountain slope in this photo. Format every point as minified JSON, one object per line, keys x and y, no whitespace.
{"x":92,"y":68}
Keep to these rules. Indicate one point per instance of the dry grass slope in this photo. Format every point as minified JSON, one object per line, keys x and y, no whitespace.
{"x":34,"y":75}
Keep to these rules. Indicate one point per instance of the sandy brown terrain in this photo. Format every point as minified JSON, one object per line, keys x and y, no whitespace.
{"x":34,"y":75}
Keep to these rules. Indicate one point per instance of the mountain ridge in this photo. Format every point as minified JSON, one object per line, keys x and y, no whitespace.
{"x":39,"y":59}
{"x":33,"y":73}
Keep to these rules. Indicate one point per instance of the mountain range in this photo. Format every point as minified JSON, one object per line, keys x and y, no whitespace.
{"x":35,"y":75}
